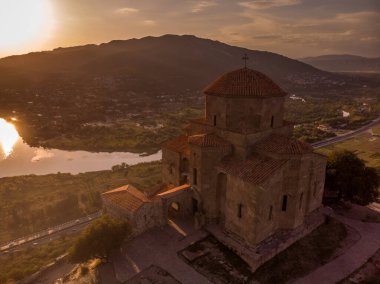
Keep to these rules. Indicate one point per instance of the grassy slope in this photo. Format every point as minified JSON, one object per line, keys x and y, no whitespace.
{"x":31,"y":203}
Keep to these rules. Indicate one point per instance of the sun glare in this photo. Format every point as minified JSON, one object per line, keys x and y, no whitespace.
{"x":8,"y":136}
{"x":23,"y":22}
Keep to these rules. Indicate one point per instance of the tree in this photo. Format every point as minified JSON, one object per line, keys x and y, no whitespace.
{"x":99,"y":239}
{"x":348,"y":175}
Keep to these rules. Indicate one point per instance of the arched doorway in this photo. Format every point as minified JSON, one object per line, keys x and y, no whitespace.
{"x":185,"y":165}
{"x":174,"y":210}
{"x":221,"y":187}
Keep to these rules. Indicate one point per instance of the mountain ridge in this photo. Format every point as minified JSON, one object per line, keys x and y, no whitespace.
{"x":167,"y":62}
{"x":344,"y":63}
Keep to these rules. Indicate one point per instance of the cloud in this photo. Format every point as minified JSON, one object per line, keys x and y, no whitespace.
{"x":203,"y":5}
{"x":295,"y":28}
{"x":340,"y":33}
{"x":126,"y":10}
{"x":149,"y":23}
{"x":266,"y":4}
{"x":265,"y":37}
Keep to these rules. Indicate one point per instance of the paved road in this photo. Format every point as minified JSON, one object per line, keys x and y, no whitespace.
{"x":43,"y":240}
{"x":68,"y":228}
{"x":346,"y":136}
{"x":352,"y":259}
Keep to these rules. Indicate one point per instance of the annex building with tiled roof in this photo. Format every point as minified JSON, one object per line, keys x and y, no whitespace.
{"x":238,"y":167}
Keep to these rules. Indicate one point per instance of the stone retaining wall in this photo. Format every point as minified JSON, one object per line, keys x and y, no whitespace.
{"x":255,"y":256}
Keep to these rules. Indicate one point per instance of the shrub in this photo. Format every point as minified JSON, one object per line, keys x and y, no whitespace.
{"x":99,"y":239}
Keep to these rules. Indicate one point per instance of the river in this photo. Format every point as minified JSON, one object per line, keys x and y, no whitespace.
{"x":18,"y":158}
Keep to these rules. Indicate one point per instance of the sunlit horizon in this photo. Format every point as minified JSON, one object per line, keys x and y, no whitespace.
{"x":24,"y":25}
{"x":294,"y":28}
{"x":8,"y":137}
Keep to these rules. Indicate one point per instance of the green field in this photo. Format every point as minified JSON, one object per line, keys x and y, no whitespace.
{"x":366,"y":146}
{"x":32,"y":203}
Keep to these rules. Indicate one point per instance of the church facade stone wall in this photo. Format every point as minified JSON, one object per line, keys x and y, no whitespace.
{"x":240,"y":166}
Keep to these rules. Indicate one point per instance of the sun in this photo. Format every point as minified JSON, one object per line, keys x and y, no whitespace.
{"x":23,"y":22}
{"x":8,"y":137}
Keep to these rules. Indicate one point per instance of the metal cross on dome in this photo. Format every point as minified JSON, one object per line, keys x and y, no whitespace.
{"x":245,"y":58}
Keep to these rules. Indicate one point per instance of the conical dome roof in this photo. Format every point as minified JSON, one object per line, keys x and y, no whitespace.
{"x":244,"y":82}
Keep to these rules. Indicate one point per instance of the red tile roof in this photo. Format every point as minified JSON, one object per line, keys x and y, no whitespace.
{"x":244,"y":83}
{"x":178,"y":144}
{"x":207,"y":140}
{"x":254,"y":170}
{"x":157,"y":189}
{"x":126,"y":197}
{"x":174,"y":190}
{"x":280,"y":144}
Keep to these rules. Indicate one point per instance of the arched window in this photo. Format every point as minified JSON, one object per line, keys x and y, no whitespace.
{"x":185,"y":165}
{"x":173,"y":210}
{"x":270,"y":213}
{"x":195,"y":205}
{"x":284,"y":202}
{"x":240,"y":210}
{"x":175,"y":206}
{"x":195,"y":176}
{"x":272,"y":121}
{"x":171,"y":169}
{"x":214,"y":120}
{"x":301,"y":199}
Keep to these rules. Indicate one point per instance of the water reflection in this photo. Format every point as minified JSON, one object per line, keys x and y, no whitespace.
{"x":18,"y":158}
{"x":8,"y":137}
{"x":41,"y":154}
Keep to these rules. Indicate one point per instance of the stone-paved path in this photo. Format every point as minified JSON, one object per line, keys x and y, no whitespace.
{"x":353,"y":258}
{"x":159,"y":246}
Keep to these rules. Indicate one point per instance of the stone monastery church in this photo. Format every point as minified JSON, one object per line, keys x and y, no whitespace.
{"x":237,"y":168}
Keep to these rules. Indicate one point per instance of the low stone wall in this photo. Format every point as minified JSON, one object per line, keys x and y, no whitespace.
{"x":255,"y":256}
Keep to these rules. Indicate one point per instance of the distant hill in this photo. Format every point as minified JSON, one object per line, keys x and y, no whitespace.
{"x":344,"y":63}
{"x":152,"y":64}
{"x":59,"y":97}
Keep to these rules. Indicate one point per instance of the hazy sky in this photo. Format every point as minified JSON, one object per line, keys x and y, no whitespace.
{"x":294,"y":28}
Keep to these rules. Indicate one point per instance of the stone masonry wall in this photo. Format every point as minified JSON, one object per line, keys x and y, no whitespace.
{"x":171,"y":167}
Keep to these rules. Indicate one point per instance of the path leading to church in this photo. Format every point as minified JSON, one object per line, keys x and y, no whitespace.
{"x":159,"y":246}
{"x":352,"y":259}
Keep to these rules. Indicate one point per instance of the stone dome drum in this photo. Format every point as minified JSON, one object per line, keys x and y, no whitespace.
{"x":244,"y":82}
